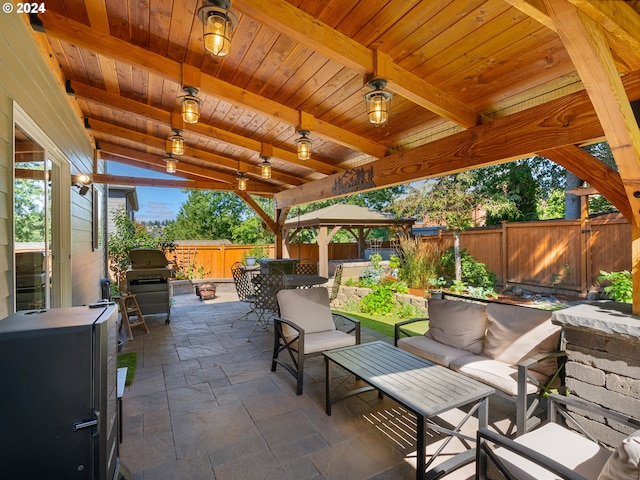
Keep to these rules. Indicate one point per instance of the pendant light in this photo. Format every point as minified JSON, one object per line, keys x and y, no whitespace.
{"x":218,"y":26}
{"x":190,"y":105}
{"x":304,"y":145}
{"x":265,"y":168}
{"x":378,"y":102}
{"x":242,"y":181}
{"x":171,"y":164}
{"x":177,"y":143}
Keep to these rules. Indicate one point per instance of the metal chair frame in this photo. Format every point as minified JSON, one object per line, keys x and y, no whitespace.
{"x":337,"y":281}
{"x":244,"y":289}
{"x":266,"y":304}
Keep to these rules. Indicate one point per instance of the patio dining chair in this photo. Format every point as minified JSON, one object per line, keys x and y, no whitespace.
{"x":266,"y":286}
{"x":244,"y":289}
{"x":564,"y":447}
{"x":307,"y":326}
{"x":337,"y":281}
{"x":307,"y":266}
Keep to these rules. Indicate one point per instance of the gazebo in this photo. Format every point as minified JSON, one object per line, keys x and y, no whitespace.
{"x":326,"y":222}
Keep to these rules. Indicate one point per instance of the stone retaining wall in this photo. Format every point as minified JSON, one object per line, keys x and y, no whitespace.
{"x":348,"y":295}
{"x":602,"y":344}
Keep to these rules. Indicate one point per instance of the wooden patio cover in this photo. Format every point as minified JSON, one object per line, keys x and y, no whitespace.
{"x":475,"y":82}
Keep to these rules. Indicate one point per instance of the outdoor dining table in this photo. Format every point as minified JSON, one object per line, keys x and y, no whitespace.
{"x":300,"y":281}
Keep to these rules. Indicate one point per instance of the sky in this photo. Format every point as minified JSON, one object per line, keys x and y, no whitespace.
{"x":155,"y":203}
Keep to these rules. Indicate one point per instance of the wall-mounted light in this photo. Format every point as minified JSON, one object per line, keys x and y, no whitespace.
{"x":378,"y":102}
{"x":171,"y":164}
{"x":190,"y":105}
{"x":177,"y":143}
{"x":83,"y":182}
{"x":265,"y":168}
{"x":304,"y":145}
{"x":242,"y":181}
{"x":218,"y":26}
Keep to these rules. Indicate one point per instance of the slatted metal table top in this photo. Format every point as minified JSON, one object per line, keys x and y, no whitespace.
{"x":420,"y":385}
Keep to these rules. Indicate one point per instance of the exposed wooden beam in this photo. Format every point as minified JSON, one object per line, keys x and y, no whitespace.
{"x":215,"y":160}
{"x":159,"y":182}
{"x":101,"y":97}
{"x":309,"y":31}
{"x":621,"y":22}
{"x":588,"y":48}
{"x":85,"y":37}
{"x":269,"y":222}
{"x":569,"y":120}
{"x":185,"y":172}
{"x":604,"y":178}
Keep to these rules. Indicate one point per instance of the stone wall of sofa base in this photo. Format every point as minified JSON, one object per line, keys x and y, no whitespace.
{"x":603,"y":345}
{"x":349,"y":295}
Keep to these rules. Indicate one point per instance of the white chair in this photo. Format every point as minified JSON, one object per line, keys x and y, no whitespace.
{"x":306,"y":325}
{"x":561,"y":448}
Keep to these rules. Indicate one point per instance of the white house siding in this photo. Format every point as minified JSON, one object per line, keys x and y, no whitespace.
{"x":26,"y":79}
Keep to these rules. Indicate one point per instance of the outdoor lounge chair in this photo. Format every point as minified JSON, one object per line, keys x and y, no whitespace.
{"x":306,"y":326}
{"x":561,"y":448}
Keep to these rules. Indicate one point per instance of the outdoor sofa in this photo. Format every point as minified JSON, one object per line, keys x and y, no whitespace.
{"x":514,"y":349}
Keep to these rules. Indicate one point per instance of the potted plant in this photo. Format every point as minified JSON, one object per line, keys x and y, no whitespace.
{"x":436,"y":287}
{"x":255,"y":254}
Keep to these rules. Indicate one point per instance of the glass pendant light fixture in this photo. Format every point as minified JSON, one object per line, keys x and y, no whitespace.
{"x":177,"y":143}
{"x":190,"y":105}
{"x":304,"y":145}
{"x":171,"y":164}
{"x":378,"y":102}
{"x":242,"y":181}
{"x":218,"y":26}
{"x":265,"y":168}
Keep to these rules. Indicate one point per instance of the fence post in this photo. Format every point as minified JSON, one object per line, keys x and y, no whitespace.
{"x":505,"y":257}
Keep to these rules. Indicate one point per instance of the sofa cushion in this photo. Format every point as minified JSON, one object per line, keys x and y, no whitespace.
{"x":624,"y":462}
{"x":431,"y":349}
{"x":501,"y":376}
{"x":567,"y":447}
{"x":515,"y":333}
{"x":457,"y":324}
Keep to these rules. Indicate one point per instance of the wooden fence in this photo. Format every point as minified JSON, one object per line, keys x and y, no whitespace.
{"x":531,"y":254}
{"x":539,"y":254}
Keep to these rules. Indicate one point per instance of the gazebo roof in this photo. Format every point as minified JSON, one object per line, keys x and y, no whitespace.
{"x":346,"y":215}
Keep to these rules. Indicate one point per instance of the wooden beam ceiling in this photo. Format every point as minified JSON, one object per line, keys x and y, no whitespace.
{"x":567,"y":121}
{"x":309,"y":31}
{"x":87,"y":38}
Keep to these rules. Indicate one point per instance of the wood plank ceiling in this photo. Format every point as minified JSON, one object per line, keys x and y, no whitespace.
{"x":476,"y":82}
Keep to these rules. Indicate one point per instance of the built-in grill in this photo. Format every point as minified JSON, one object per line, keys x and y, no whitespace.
{"x":148,"y":277}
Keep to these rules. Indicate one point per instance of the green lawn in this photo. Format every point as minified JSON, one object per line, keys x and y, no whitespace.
{"x":385,"y":325}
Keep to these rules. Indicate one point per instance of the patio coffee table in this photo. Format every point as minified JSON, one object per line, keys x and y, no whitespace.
{"x":422,"y":387}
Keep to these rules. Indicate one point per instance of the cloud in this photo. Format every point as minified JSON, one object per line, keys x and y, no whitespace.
{"x":154,"y":210}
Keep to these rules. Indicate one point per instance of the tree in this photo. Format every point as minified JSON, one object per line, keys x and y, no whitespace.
{"x":127,"y":236}
{"x":452,"y":201}
{"x":29,"y":210}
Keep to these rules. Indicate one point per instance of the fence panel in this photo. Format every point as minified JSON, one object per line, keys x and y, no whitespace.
{"x":610,"y":247}
{"x":537,"y":252}
{"x":531,"y":254}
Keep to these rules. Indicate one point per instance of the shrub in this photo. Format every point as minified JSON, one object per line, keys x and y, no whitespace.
{"x":419,"y":261}
{"x":473,"y":272}
{"x":621,"y":288}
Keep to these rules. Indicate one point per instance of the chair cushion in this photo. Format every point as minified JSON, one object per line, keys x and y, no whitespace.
{"x":327,"y":340}
{"x":515,"y":333}
{"x":501,"y":376}
{"x":430,"y":349}
{"x":624,"y":462}
{"x":457,"y":324}
{"x":306,"y":307}
{"x":567,"y":447}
